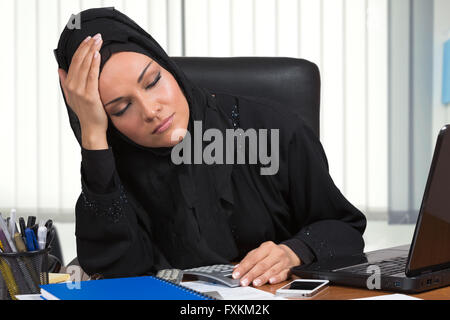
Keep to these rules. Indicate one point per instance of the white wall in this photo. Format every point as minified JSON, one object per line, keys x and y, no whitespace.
{"x":347,"y":39}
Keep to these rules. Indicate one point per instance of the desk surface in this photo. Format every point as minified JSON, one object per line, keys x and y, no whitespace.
{"x":345,"y":293}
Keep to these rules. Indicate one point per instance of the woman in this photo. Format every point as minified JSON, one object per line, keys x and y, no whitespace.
{"x":139,"y":212}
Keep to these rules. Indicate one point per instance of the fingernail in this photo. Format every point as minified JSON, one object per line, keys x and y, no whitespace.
{"x":236,"y":275}
{"x":272,"y":280}
{"x":98,"y":38}
{"x":244,"y":282}
{"x":257,"y":282}
{"x":87,"y":39}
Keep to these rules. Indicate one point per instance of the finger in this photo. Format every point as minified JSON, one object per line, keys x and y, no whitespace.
{"x":87,"y":62}
{"x":78,"y":57}
{"x":259,"y":269}
{"x":270,"y":274}
{"x":280,"y":277}
{"x":249,"y":261}
{"x":92,"y":81}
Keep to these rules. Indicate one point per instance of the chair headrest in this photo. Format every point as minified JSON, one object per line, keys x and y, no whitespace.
{"x":289,"y":82}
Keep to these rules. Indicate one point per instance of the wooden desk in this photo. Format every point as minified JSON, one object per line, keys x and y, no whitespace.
{"x":345,"y":293}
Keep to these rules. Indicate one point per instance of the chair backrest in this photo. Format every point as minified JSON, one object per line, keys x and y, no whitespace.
{"x":293,"y":83}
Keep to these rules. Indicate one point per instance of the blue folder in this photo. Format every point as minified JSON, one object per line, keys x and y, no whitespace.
{"x":446,"y":74}
{"x":136,"y":288}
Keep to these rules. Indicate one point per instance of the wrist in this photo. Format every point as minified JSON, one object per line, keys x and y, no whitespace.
{"x":296,"y":261}
{"x":94,"y":140}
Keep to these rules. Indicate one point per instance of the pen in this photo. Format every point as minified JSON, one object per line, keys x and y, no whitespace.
{"x":42,"y":235}
{"x":31,"y":242}
{"x":19,"y":243}
{"x":31,"y":221}
{"x":35,"y":229}
{"x":50,"y":236}
{"x":22,"y":226}
{"x":12,"y":222}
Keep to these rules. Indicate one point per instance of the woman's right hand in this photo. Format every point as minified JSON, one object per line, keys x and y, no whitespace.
{"x":80,"y":86}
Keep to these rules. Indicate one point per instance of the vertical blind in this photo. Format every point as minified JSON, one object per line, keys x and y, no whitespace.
{"x":347,"y":39}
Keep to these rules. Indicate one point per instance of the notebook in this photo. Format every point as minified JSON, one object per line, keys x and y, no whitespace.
{"x":136,"y":288}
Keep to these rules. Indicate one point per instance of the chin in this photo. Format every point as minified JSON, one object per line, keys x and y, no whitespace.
{"x":164,"y":142}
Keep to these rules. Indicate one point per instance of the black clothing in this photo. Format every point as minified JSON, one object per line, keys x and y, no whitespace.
{"x":306,"y":211}
{"x":139,"y":212}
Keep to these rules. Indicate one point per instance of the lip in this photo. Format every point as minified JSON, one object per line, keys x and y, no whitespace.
{"x":165,"y":124}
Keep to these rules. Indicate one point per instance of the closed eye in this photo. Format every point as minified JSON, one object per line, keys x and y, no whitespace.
{"x":118,"y":114}
{"x":154,"y":82}
{"x":151,"y":85}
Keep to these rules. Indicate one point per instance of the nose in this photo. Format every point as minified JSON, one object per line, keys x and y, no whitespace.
{"x":149,"y":109}
{"x":150,"y":112}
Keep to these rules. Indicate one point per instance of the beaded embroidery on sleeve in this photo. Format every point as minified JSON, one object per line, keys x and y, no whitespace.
{"x":109,"y":208}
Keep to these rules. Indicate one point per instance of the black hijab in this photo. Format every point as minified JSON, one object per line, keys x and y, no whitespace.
{"x":193,"y":202}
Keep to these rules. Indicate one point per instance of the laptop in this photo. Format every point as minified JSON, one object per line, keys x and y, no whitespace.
{"x":421,"y":266}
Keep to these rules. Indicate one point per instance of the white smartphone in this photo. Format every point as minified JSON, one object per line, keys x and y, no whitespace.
{"x":302,"y":288}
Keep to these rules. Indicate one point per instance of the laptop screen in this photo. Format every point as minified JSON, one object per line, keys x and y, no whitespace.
{"x":431,"y":246}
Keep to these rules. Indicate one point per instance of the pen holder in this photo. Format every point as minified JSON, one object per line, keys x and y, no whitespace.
{"x":23,"y":273}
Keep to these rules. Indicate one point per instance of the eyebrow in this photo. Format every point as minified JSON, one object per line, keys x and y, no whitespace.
{"x":138,"y":81}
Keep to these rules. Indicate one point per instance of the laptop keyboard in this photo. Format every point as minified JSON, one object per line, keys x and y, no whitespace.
{"x":387,"y":267}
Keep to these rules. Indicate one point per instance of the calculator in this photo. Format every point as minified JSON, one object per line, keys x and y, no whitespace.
{"x":172,"y":275}
{"x":218,"y":273}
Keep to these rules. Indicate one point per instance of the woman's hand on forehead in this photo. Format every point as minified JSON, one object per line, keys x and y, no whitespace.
{"x":80,"y":86}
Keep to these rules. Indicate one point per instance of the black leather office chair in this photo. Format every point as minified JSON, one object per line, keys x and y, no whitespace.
{"x":292,"y":83}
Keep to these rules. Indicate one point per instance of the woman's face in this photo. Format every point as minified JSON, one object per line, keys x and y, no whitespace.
{"x":139,"y":95}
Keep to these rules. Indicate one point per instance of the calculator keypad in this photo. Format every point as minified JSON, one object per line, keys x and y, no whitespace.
{"x":219,"y":273}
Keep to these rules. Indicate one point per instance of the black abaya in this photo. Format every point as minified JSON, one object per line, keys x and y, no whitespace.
{"x":138,"y":212}
{"x":299,"y":206}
